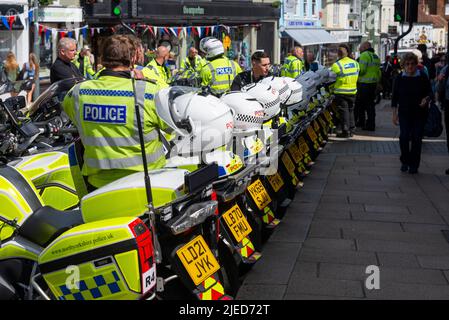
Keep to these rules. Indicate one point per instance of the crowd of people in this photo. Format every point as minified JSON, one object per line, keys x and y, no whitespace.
{"x":123,"y":58}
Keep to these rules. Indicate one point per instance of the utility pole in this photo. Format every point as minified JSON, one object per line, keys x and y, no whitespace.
{"x":36,"y":48}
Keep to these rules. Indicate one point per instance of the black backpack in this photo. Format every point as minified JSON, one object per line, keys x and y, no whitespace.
{"x":434,"y":124}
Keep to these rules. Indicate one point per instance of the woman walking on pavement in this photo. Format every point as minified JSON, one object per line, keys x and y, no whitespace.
{"x":412,"y":93}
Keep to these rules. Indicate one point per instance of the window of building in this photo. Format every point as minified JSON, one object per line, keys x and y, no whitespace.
{"x":305,"y":8}
{"x":6,"y":43}
{"x":432,"y":6}
{"x":336,"y":12}
{"x":446,"y":8}
{"x":314,"y":9}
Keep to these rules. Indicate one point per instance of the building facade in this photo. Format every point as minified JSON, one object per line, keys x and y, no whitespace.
{"x":301,"y":24}
{"x":14,"y":37}
{"x":244,"y":26}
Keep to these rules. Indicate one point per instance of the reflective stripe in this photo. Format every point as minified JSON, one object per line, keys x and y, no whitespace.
{"x":363,"y":79}
{"x":342,"y":75}
{"x":344,"y":90}
{"x":119,"y":141}
{"x":115,"y":141}
{"x":124,"y":163}
{"x":340,"y":67}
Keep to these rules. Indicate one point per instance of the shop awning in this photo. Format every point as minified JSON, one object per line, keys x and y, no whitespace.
{"x":308,"y":37}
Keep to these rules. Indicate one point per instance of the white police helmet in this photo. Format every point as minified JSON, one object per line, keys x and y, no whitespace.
{"x":201,"y":121}
{"x":280,"y":85}
{"x":296,"y":91}
{"x":267,"y":96}
{"x":212,"y":47}
{"x":248,"y":112}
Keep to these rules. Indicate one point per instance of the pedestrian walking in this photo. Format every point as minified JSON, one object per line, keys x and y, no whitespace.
{"x":345,"y":90}
{"x":369,"y":77}
{"x":412,"y":93}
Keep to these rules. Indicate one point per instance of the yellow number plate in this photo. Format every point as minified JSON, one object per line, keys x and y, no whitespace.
{"x":237,"y":223}
{"x":295,"y":153}
{"x":323,"y":124}
{"x":259,"y":194}
{"x":303,"y":146}
{"x":328,"y":116}
{"x":287,"y":161}
{"x":198,"y":260}
{"x":311,"y":133}
{"x":276,"y":181}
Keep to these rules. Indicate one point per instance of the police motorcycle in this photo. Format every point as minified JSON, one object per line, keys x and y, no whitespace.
{"x":276,"y":178}
{"x":50,"y":254}
{"x":238,"y":227}
{"x":57,"y":239}
{"x":37,"y":148}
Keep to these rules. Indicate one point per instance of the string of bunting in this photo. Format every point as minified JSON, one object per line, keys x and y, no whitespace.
{"x":8,"y":20}
{"x":71,"y":33}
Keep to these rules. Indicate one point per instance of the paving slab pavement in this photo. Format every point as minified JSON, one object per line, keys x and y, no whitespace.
{"x":358,"y":211}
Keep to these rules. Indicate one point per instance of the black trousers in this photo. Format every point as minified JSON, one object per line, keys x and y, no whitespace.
{"x":365,"y":112}
{"x":345,"y":105}
{"x":411,"y":127}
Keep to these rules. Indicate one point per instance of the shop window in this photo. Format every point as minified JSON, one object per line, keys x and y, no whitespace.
{"x":6,"y":43}
{"x":46,"y":54}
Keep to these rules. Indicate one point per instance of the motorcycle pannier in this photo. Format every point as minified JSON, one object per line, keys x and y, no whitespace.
{"x":109,"y":259}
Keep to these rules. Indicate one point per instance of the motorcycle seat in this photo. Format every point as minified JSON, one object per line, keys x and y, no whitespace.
{"x":47,"y":223}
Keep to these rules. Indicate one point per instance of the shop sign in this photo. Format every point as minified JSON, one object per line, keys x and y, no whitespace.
{"x":193,"y":10}
{"x":67,"y":14}
{"x":300,"y":23}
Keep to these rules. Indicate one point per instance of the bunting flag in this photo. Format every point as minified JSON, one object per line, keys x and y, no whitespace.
{"x":173,"y":31}
{"x":188,"y":30}
{"x":199,"y":31}
{"x":54,"y":34}
{"x":77,"y":34}
{"x":84,"y":32}
{"x":30,"y":15}
{"x":155,"y":31}
{"x":62,"y":34}
{"x":92,"y":32}
{"x":11,"y":20}
{"x":23,"y":20}
{"x":70,"y":34}
{"x":47,"y":34}
{"x":5,"y":22}
{"x":212,"y":28}
{"x":40,"y":29}
{"x":207,"y":31}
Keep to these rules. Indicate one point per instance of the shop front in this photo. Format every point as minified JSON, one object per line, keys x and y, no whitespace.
{"x":13,"y":30}
{"x":55,"y":22}
{"x":242,"y":26}
{"x":307,"y":34}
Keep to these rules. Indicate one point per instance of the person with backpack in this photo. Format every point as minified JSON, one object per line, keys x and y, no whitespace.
{"x":412,"y":93}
